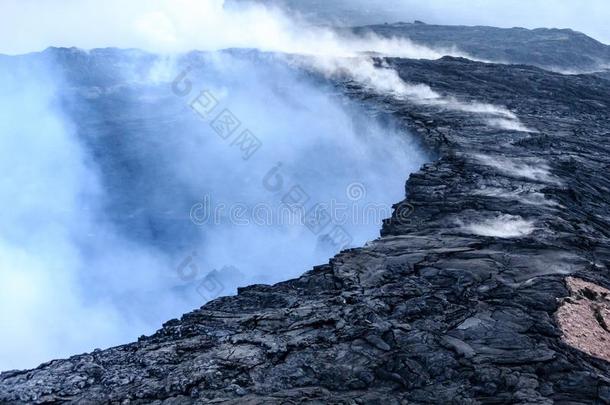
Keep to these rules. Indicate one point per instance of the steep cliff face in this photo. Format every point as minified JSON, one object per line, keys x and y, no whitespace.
{"x":469,"y":295}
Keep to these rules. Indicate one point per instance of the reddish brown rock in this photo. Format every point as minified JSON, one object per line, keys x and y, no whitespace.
{"x":584,"y":318}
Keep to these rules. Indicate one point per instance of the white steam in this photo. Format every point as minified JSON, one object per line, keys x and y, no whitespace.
{"x":165,"y":26}
{"x":95,"y":236}
{"x":50,"y":196}
{"x":96,"y":225}
{"x":529,"y":168}
{"x":502,"y":226}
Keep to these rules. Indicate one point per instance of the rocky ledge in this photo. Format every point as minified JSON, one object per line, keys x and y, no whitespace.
{"x":494,"y":289}
{"x":561,"y":50}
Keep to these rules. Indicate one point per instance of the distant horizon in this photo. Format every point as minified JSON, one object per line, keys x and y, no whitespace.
{"x":66,"y":46}
{"x":588,"y":16}
{"x":34,"y":26}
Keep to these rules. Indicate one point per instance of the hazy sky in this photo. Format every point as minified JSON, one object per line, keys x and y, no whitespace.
{"x":588,"y":16}
{"x":32,"y":25}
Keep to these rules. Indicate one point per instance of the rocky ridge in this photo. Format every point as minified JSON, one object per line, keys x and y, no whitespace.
{"x":562,"y":50}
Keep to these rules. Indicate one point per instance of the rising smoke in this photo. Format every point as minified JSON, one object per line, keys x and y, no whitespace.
{"x":122,"y":199}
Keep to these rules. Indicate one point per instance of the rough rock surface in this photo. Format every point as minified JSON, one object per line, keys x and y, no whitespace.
{"x":437,"y":310}
{"x":584,"y":318}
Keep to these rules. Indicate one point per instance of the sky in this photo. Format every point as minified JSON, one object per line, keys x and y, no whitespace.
{"x":588,"y":16}
{"x":33,"y":25}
